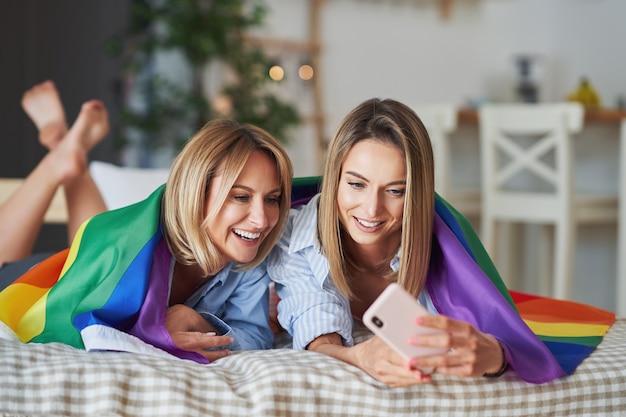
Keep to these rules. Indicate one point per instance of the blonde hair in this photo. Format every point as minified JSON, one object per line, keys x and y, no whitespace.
{"x":391,"y":122}
{"x":185,"y":215}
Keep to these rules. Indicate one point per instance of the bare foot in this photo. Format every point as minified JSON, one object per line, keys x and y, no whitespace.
{"x":43,"y":105}
{"x":68,"y":160}
{"x":91,"y":125}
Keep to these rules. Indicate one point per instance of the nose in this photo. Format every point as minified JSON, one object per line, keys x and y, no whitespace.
{"x":258,"y":215}
{"x":372,"y":204}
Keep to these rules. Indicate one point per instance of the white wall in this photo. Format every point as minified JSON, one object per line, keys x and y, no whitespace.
{"x":402,"y":49}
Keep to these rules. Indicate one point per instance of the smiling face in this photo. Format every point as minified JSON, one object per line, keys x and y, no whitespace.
{"x":370,"y":197}
{"x":250,"y":211}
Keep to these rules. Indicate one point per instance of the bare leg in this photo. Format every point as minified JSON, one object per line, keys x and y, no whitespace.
{"x":81,"y":193}
{"x":21,"y":216}
{"x":43,"y":105}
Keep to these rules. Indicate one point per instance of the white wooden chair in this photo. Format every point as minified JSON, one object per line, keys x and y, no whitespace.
{"x":440,"y":121}
{"x":527,"y":177}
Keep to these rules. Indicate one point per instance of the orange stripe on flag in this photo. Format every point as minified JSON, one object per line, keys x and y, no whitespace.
{"x":46,"y":273}
{"x":549,"y":310}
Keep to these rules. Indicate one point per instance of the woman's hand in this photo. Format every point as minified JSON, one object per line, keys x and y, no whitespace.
{"x":470,"y":352}
{"x":190,"y":331}
{"x":376,"y":358}
{"x":372,"y":356}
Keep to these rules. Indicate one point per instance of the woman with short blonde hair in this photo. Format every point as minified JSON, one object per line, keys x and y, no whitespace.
{"x":185,"y":200}
{"x":181,"y":270}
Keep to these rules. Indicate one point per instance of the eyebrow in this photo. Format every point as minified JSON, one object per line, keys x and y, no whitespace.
{"x":356,"y":174}
{"x":250,"y":190}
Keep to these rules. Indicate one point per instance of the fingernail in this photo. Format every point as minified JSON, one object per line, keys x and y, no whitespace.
{"x":419,"y":320}
{"x":413,"y":340}
{"x":210,"y":333}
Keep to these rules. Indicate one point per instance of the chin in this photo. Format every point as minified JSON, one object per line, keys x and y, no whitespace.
{"x":245,"y":259}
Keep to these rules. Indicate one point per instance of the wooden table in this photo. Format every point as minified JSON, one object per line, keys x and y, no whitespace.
{"x":467,"y":115}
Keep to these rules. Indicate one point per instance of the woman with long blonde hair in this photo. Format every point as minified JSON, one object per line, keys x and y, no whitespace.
{"x":373,"y":223}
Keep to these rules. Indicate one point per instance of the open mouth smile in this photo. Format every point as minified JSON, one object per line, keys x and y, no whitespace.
{"x":248,"y":236}
{"x":368,"y":224}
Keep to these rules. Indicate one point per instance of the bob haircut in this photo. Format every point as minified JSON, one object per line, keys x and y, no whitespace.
{"x":392,"y":122}
{"x":220,"y":143}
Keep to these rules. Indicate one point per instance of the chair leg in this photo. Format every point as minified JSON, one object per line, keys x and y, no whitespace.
{"x":620,"y":305}
{"x":547,"y":260}
{"x":487,"y":227}
{"x":487,"y":235}
{"x":565,"y":241}
{"x":512,"y":257}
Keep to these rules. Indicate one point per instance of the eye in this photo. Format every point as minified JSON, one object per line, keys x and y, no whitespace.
{"x":397,"y":192}
{"x":356,"y":185}
{"x":242,"y":198}
{"x":273,"y":200}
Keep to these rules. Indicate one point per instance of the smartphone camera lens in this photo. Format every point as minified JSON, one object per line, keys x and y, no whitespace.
{"x":378,"y":322}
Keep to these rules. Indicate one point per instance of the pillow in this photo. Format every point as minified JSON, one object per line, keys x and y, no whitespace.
{"x":122,"y":186}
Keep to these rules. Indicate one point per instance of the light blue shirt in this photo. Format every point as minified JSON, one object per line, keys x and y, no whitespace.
{"x":310,"y":304}
{"x":237,"y":303}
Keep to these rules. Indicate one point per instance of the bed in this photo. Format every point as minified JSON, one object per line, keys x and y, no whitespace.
{"x":55,"y":379}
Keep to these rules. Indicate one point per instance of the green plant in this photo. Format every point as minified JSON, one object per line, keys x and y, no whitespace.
{"x":203,"y":31}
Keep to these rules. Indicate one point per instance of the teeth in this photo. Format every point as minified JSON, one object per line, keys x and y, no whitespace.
{"x":368,"y":224}
{"x":247,"y":235}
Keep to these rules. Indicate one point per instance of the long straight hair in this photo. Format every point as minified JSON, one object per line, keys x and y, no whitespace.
{"x":185,"y":213}
{"x":391,"y":122}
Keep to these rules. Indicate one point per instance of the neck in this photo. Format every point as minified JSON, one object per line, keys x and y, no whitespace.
{"x":369,"y":257}
{"x":372,"y":256}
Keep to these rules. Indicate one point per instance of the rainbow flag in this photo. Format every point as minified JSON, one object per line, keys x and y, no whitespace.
{"x":108,"y":291}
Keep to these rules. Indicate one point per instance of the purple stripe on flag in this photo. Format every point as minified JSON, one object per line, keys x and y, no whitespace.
{"x":461,"y":290}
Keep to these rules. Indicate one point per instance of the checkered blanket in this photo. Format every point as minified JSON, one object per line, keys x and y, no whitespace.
{"x":55,"y":379}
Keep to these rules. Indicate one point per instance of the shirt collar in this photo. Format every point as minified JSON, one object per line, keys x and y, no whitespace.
{"x":304,"y":232}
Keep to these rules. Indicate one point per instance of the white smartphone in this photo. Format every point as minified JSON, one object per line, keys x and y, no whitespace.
{"x":392,"y":317}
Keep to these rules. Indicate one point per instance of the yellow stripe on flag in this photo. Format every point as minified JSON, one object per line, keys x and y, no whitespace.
{"x":16,"y":299}
{"x":34,"y":320}
{"x":567,"y":329}
{"x":71,"y":256}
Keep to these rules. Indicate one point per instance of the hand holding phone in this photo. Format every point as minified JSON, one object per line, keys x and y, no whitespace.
{"x":392,"y":317}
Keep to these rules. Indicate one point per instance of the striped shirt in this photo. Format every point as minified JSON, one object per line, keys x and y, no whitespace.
{"x":310,"y":305}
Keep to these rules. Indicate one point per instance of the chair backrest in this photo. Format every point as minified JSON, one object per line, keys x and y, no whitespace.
{"x":526,"y":157}
{"x":440,"y":121}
